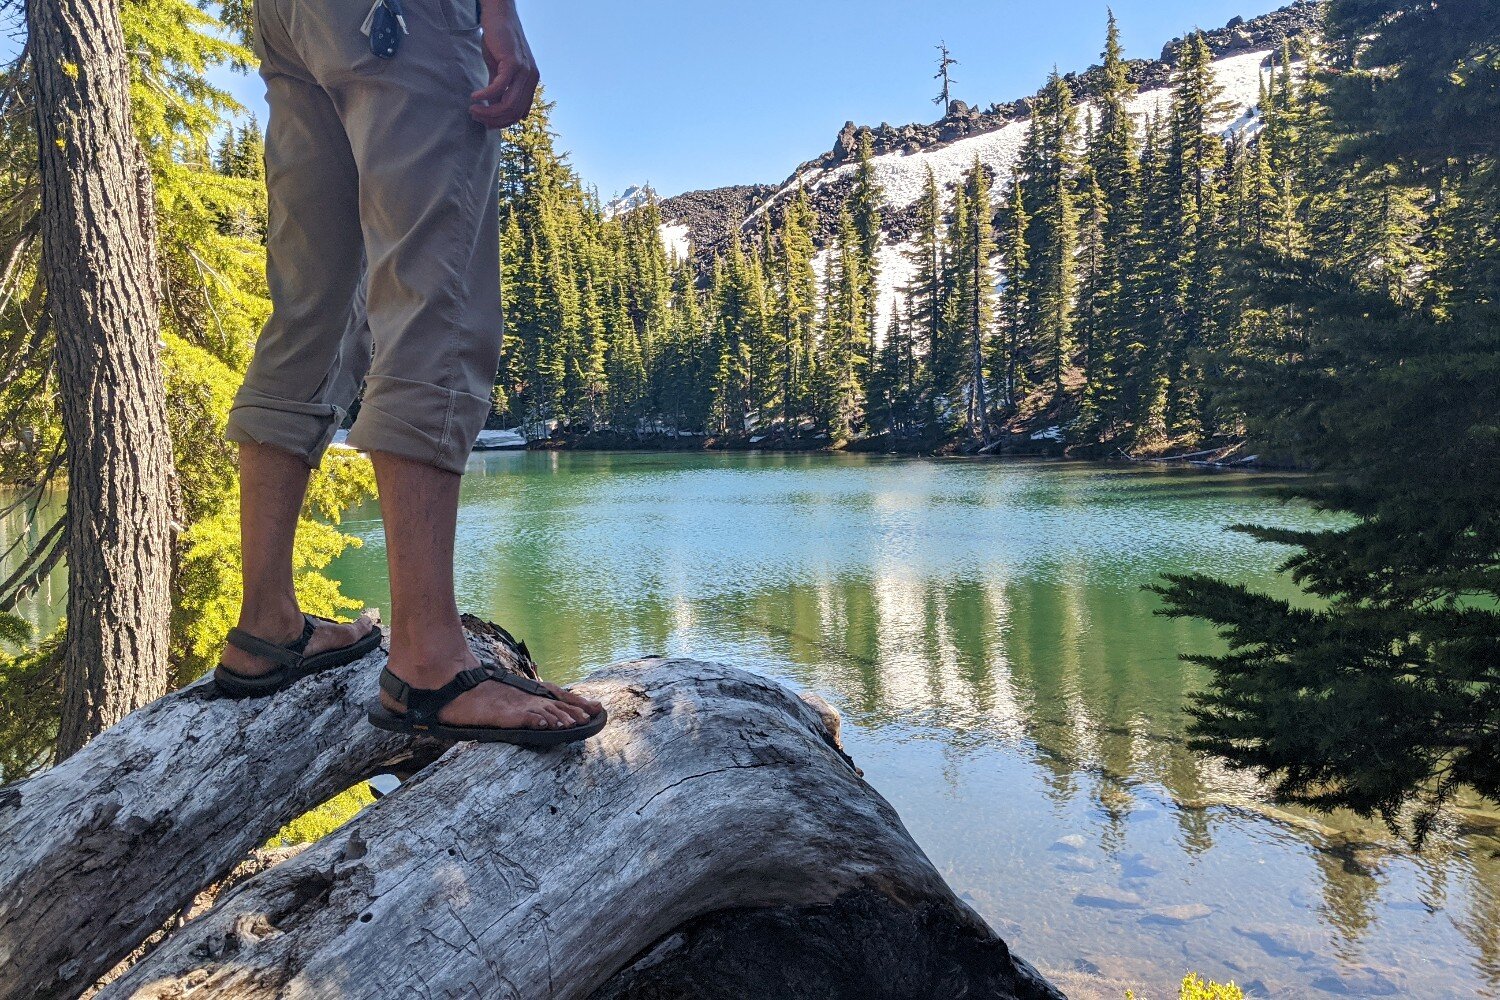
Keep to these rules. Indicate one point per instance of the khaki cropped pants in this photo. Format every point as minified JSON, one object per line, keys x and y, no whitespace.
{"x":383,"y":243}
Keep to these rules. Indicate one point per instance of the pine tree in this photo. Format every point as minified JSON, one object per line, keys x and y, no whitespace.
{"x":1113,"y":159}
{"x":1094,"y":299}
{"x":924,"y":295}
{"x":978,"y":248}
{"x":1015,"y":307}
{"x":1193,"y":179}
{"x":865,"y":202}
{"x":796,"y":306}
{"x":1381,"y":376}
{"x":844,"y":350}
{"x":1049,"y":165}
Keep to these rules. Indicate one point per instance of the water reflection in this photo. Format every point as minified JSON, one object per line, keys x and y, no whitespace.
{"x":22,"y":525}
{"x":983,"y":629}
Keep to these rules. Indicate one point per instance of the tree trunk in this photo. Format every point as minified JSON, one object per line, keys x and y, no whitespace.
{"x":713,"y":842}
{"x":98,"y":255}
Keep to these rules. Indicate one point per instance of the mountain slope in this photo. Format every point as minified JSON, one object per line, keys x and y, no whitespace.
{"x":706,"y":219}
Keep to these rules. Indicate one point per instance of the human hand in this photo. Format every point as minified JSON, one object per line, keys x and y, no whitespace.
{"x":513,"y":74}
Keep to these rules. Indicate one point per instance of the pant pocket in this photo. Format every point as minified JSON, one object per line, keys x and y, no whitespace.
{"x":460,"y":15}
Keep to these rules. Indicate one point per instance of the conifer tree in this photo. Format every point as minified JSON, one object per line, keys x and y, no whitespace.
{"x":978,"y":249}
{"x":1049,"y":166}
{"x":1193,"y":254}
{"x":924,"y":294}
{"x":865,"y":202}
{"x":1381,"y":695}
{"x":796,"y":306}
{"x":844,"y":350}
{"x":1113,"y":159}
{"x":1015,"y":307}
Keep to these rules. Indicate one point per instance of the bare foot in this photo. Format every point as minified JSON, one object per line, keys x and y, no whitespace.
{"x":493,"y":703}
{"x":326,"y":636}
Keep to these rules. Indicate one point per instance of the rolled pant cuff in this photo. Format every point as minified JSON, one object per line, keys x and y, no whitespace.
{"x":303,"y":429}
{"x":420,"y":421}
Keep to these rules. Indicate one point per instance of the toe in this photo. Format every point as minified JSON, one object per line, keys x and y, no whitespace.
{"x":589,"y":706}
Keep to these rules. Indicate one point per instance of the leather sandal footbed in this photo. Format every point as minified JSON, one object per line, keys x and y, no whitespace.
{"x":283,"y":675}
{"x":383,"y":718}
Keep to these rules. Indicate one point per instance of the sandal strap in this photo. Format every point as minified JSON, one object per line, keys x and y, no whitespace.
{"x":423,"y":704}
{"x":289,"y":655}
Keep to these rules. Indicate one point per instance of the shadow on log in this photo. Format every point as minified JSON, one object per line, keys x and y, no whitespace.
{"x":712,"y":842}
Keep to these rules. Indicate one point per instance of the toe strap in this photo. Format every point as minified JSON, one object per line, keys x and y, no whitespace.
{"x":423,"y":705}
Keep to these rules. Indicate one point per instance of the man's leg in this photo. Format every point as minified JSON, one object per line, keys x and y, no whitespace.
{"x":310,"y":356}
{"x":272,"y":485}
{"x":427,"y":200}
{"x":419,"y":504}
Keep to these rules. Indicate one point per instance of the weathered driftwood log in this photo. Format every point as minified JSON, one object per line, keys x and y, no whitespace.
{"x":100,"y":851}
{"x":712,"y":842}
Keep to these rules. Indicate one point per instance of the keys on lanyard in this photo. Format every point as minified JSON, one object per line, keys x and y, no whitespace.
{"x":385,"y":24}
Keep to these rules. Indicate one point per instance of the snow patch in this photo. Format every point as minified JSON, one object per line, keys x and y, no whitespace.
{"x":633,"y":197}
{"x":676,"y":238}
{"x":903,"y":174}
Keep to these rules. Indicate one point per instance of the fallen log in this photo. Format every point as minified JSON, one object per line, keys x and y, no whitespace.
{"x":713,"y":842}
{"x":100,"y":851}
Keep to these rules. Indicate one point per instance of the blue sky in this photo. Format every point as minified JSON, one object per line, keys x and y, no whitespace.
{"x":688,"y":94}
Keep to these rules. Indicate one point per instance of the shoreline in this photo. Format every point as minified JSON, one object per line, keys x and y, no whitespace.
{"x":1222,"y":457}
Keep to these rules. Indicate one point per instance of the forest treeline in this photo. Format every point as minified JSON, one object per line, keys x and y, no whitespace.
{"x":1101,"y":285}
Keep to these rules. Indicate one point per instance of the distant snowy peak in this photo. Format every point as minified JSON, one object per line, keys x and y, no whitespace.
{"x":633,"y":197}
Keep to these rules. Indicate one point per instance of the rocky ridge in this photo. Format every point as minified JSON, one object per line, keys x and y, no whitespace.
{"x":709,"y":216}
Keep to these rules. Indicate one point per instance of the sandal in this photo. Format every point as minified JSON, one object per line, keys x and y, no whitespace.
{"x":422,"y":708}
{"x":291,"y":664}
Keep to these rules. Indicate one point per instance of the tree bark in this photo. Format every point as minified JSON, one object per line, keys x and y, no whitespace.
{"x":106,"y":847}
{"x":98,"y":254}
{"x":713,"y":842}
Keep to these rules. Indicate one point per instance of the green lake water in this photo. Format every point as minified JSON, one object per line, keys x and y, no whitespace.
{"x":982,"y":628}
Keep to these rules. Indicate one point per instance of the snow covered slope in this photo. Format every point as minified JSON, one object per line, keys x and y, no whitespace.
{"x":702,"y":223}
{"x":903,"y":174}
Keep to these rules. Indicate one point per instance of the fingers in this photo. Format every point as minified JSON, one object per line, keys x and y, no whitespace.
{"x":501,"y":77}
{"x":510,"y":96}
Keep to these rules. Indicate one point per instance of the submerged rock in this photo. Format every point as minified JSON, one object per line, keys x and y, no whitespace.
{"x":1177,"y":915}
{"x":1109,"y":898}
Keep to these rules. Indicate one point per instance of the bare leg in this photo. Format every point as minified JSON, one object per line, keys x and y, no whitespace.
{"x":419,"y":504}
{"x":272,"y":485}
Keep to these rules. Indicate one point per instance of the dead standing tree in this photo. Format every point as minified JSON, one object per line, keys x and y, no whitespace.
{"x":98,"y":261}
{"x":945,"y":61}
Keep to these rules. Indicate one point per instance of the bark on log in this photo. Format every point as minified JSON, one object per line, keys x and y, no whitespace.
{"x":712,"y":842}
{"x":103,"y":849}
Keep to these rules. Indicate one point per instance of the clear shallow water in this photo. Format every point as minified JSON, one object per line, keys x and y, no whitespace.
{"x":1003,"y":683}
{"x":982,"y":628}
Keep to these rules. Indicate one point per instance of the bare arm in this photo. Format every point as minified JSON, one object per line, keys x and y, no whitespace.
{"x":507,"y":98}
